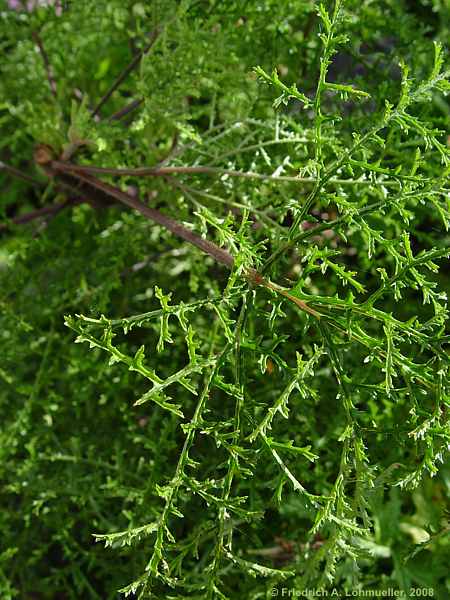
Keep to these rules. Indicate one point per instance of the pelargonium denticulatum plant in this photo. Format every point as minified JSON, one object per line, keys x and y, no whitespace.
{"x":224,"y":321}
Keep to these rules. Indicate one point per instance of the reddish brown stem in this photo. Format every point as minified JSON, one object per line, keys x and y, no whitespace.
{"x":167,"y":222}
{"x":19,"y":174}
{"x":47,"y":65}
{"x":45,"y":211}
{"x":128,"y":69}
{"x":126,"y":109}
{"x":219,"y":254}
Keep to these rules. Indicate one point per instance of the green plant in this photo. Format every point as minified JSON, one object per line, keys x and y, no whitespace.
{"x":279,"y":417}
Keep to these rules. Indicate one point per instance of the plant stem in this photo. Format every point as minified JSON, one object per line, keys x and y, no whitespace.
{"x":47,"y":65}
{"x":126,"y":109}
{"x":19,"y":174}
{"x":162,"y":171}
{"x":219,"y":254}
{"x":127,"y":70}
{"x":52,"y":210}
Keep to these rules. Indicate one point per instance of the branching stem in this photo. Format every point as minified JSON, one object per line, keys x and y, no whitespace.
{"x":219,"y":254}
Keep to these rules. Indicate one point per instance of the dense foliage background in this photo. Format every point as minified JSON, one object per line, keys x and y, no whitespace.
{"x":296,"y":431}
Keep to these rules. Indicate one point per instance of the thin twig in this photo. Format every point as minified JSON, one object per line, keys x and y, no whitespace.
{"x":163,"y":171}
{"x":51,"y":210}
{"x":47,"y":65}
{"x":128,"y":69}
{"x":126,"y":109}
{"x":19,"y":174}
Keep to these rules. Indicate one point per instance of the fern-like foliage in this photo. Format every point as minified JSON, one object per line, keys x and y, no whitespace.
{"x":226,"y":433}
